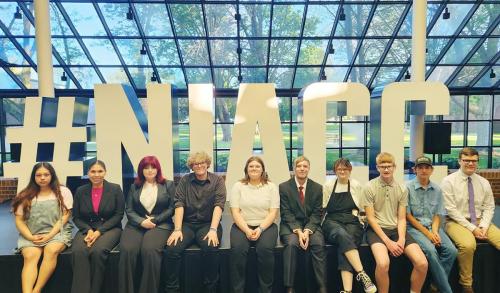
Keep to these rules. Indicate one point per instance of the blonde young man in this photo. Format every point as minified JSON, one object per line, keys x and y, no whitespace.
{"x":468,"y":199}
{"x":199,"y":201}
{"x":385,"y":202}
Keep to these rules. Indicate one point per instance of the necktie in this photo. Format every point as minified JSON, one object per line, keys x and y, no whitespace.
{"x":472,"y":209}
{"x":301,"y":194}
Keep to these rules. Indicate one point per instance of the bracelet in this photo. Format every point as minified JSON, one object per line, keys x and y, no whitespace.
{"x":213,"y":229}
{"x":177,"y":230}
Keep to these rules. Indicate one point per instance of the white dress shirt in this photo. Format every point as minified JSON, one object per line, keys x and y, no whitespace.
{"x":456,"y":199}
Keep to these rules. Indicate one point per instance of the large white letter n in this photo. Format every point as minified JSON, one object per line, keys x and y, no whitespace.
{"x":120,"y":120}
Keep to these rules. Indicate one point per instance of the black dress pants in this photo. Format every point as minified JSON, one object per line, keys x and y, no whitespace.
{"x":346,"y":236}
{"x":147,"y":244}
{"x":89,"y":264}
{"x":193,"y":233}
{"x":318,"y":254}
{"x":264,"y":248}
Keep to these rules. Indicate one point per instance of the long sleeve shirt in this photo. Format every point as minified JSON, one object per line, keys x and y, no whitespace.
{"x":456,"y":199}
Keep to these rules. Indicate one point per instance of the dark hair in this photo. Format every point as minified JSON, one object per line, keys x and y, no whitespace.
{"x":468,"y":151}
{"x":148,"y":161}
{"x":342,"y":162}
{"x":263,"y":177}
{"x":99,"y":163}
{"x":31,"y":191}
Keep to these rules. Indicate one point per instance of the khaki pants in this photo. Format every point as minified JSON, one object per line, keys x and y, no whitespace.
{"x":466,"y":245}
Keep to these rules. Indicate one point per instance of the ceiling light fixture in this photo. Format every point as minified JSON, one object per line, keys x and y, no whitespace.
{"x":342,"y":14}
{"x":143,"y":49}
{"x":153,"y":77}
{"x":407,"y":75}
{"x":492,"y":73}
{"x":446,"y":14}
{"x":17,"y":14}
{"x":323,"y":75}
{"x":64,"y":77}
{"x":130,"y":13}
{"x":331,"y":50}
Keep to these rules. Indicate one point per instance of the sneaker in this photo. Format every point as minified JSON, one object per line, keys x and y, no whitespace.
{"x":368,"y":285}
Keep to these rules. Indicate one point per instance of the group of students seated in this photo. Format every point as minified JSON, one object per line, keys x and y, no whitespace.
{"x":164,"y":219}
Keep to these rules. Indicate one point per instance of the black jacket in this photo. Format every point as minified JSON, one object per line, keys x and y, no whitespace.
{"x":110,"y":211}
{"x":162,"y":211}
{"x":294,"y":215}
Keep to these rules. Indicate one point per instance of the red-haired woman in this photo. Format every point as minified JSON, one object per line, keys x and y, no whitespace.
{"x":42,"y":211}
{"x":149,"y":212}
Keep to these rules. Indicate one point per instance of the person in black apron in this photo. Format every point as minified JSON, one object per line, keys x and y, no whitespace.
{"x":342,"y":226}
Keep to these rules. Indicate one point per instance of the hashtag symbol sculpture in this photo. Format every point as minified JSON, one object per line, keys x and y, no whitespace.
{"x":31,"y":134}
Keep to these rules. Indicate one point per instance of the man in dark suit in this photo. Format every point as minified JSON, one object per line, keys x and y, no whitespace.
{"x":300,"y":208}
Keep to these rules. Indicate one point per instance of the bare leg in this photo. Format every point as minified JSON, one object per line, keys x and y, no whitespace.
{"x":50,"y":253}
{"x":346,"y":280}
{"x":353,"y":258}
{"x":419,"y":261}
{"x":381,"y":256}
{"x":31,"y":256}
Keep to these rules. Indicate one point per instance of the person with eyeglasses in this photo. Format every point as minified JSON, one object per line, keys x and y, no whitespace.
{"x":470,"y":205}
{"x":199,"y":201}
{"x":385,"y":201}
{"x":343,"y":226}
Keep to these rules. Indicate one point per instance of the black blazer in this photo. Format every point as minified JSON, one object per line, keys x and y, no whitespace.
{"x":297,"y":216}
{"x":162,"y":211}
{"x":110,"y":211}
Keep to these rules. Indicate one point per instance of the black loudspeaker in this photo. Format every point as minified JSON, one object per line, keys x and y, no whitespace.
{"x":437,"y":138}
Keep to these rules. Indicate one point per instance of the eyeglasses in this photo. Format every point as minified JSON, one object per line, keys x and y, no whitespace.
{"x":385,"y":167}
{"x":470,"y":161}
{"x":199,"y":163}
{"x":339,"y":170}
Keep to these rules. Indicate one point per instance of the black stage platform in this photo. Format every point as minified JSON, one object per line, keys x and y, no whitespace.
{"x":486,"y":267}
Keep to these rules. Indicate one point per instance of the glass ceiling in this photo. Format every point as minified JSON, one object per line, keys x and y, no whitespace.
{"x":288,"y":42}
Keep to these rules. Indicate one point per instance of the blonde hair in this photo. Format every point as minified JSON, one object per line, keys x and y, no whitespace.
{"x":384,"y":157}
{"x":300,"y":159}
{"x":198,"y":157}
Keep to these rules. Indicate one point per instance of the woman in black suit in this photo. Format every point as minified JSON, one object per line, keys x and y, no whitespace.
{"x":97,"y":212}
{"x":149,"y":212}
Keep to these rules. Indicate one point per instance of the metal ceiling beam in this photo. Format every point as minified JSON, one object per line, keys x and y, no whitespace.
{"x":330,"y":40}
{"x":304,"y":18}
{"x":485,"y":69}
{"x":113,"y":43}
{"x":389,"y":44}
{"x":13,"y":76}
{"x":55,"y":53}
{"x":176,"y":40}
{"x":269,"y":40}
{"x":473,"y":51}
{"x":204,"y":15}
{"x":145,"y":43}
{"x":79,"y":40}
{"x":363,"y":35}
{"x":431,"y":25}
{"x":453,"y":38}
